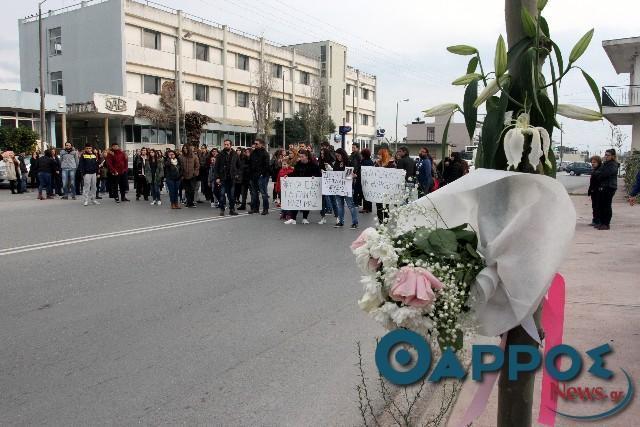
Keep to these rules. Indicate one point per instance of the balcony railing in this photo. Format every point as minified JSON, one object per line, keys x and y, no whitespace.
{"x":621,"y":96}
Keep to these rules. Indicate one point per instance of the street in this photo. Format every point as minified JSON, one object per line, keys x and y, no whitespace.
{"x":234,"y":320}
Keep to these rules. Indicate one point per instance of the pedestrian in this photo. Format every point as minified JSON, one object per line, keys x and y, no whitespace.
{"x":274,"y":167}
{"x":305,"y":167}
{"x":118,"y":169}
{"x":227,"y":171}
{"x":341,"y":163}
{"x":260,"y":174}
{"x":201,"y":186}
{"x":452,"y":169}
{"x":12,"y":168}
{"x":607,"y":179}
{"x":593,"y":191}
{"x":366,"y":161}
{"x":33,"y":168}
{"x":46,"y":168}
{"x":154,"y":173}
{"x":173,"y":175}
{"x":24,"y":173}
{"x":384,"y":161}
{"x":139,"y":167}
{"x":326,"y":159}
{"x":355,"y":158}
{"x":425,"y":172}
{"x":211,"y":178}
{"x":635,"y":191}
{"x":57,"y":178}
{"x":245,"y":178}
{"x":89,"y":167}
{"x":284,"y":171}
{"x":190,"y":170}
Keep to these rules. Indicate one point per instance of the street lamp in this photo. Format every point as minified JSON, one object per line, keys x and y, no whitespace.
{"x":397,"y":107}
{"x":41,"y":71}
{"x":177,"y":49}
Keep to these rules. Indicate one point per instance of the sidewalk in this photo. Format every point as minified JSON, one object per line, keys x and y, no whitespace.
{"x":602,"y":274}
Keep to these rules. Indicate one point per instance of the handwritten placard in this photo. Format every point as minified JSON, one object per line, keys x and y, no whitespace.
{"x":301,"y":194}
{"x":335,"y":183}
{"x":382,"y":185}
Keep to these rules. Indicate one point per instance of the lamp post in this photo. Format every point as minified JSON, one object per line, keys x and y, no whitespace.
{"x":177,"y":49}
{"x":284,"y":120}
{"x":397,"y":109}
{"x":43,"y":129}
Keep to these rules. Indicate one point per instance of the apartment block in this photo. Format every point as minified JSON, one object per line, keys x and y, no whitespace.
{"x":105,"y":53}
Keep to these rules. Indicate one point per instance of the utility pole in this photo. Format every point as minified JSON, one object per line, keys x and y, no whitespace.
{"x":178,"y":77}
{"x":43,"y":127}
{"x":561,"y":150}
{"x":397,"y":109}
{"x":284,"y":119}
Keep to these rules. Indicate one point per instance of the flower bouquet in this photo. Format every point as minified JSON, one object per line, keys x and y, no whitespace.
{"x":419,"y":279}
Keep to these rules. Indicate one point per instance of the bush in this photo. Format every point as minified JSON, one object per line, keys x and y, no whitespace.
{"x":631,"y":167}
{"x":18,"y":139}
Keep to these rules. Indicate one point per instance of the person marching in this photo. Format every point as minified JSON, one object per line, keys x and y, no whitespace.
{"x":227,"y":170}
{"x":118,"y":168}
{"x":342,"y":162}
{"x":154,"y":173}
{"x":303,"y":168}
{"x":139,"y":168}
{"x":88,"y":167}
{"x":173,"y":175}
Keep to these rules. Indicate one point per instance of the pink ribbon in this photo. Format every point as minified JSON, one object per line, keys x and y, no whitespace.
{"x":553,"y":325}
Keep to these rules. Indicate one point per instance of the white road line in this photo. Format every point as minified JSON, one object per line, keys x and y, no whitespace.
{"x":82,"y":239}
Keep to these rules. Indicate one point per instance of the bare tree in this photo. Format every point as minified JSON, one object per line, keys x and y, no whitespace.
{"x":315,"y":116}
{"x":617,"y":139}
{"x":261,"y":102}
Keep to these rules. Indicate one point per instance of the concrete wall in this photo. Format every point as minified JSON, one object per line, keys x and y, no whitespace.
{"x":92,"y":46}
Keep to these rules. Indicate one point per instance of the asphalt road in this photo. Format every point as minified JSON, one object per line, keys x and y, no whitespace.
{"x":130,"y":313}
{"x":234,"y":321}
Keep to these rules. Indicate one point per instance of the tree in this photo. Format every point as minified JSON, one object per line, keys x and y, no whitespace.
{"x":295,"y":130}
{"x":18,"y":140}
{"x":261,"y":102}
{"x":617,"y":139}
{"x":315,"y":116}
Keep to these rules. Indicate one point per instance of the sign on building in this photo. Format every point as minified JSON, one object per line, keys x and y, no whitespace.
{"x":382,"y":185}
{"x":114,"y":104}
{"x":303,"y":194}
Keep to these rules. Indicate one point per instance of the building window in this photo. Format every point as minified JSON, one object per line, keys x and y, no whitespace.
{"x":323,"y":69}
{"x":348,"y":89}
{"x":151,"y":39}
{"x":431,"y":134}
{"x":276,"y":71}
{"x":55,"y":41}
{"x":242,"y":62}
{"x":364,"y":119}
{"x":202,"y":52}
{"x":331,"y":61}
{"x":242,"y":99}
{"x":348,"y":116}
{"x":56,"y":83}
{"x":151,"y":84}
{"x":201,"y":93}
{"x":323,"y":53}
{"x":276,"y":105}
{"x":365,"y":93}
{"x":304,"y":78}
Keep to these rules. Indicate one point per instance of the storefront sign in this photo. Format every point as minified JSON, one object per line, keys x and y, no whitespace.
{"x":113,"y":104}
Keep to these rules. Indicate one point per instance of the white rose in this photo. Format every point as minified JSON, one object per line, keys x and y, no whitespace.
{"x":369,"y":302}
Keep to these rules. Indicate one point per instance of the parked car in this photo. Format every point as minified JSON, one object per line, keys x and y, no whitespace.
{"x":562,"y":166}
{"x":579,"y":168}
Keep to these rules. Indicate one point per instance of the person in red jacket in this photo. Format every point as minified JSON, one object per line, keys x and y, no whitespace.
{"x":118,"y":166}
{"x":284,"y":170}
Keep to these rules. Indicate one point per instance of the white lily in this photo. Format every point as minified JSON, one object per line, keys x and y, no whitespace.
{"x":578,"y":113}
{"x":491,"y":89}
{"x":514,"y":142}
{"x":441,"y":110}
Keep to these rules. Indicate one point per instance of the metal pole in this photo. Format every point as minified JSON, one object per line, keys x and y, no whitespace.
{"x":43,"y":129}
{"x":561,"y":150}
{"x":284,"y":119}
{"x":178,"y":78}
{"x":177,"y":135}
{"x":397,"y":106}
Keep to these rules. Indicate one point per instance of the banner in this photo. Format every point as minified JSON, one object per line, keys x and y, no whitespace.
{"x":335,"y":183}
{"x":382,"y":185}
{"x":301,"y":194}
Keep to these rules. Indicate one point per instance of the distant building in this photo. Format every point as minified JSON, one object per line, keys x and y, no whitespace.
{"x":621,"y":104}
{"x":106,"y":56}
{"x":429,"y":134}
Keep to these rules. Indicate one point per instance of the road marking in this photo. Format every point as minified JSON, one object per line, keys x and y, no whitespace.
{"x":90,"y":238}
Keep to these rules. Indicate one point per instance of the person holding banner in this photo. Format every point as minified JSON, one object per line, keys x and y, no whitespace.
{"x":366,"y":161}
{"x":384,"y":161}
{"x":341,"y":163}
{"x":303,"y":168}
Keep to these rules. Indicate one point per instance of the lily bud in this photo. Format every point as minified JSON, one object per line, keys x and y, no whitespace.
{"x":466,"y":79}
{"x":500,"y":59}
{"x":441,"y":110}
{"x":578,"y":113}
{"x":581,"y":46}
{"x":462,"y":49}
{"x":491,"y":89}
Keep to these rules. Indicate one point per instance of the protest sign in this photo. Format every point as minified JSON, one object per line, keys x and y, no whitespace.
{"x":335,"y":183}
{"x":382,"y":185}
{"x":302,"y":194}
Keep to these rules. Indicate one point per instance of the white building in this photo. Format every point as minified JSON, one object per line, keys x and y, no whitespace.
{"x":106,"y":56}
{"x":429,"y":134}
{"x":621,"y":104}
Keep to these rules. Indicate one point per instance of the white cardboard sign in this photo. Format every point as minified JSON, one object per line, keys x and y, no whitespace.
{"x":335,"y":183}
{"x":301,"y":194}
{"x":382,"y":185}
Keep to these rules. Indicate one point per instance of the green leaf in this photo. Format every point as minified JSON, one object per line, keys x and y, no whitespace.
{"x":473,"y":64}
{"x":554,"y":86}
{"x":541,"y":4}
{"x":470,"y":112}
{"x":444,"y":241}
{"x":462,"y":49}
{"x":594,"y":88}
{"x":558,"y":53}
{"x":472,"y":250}
{"x":445,"y":135}
{"x":544,"y":26}
{"x":500,"y":59}
{"x":467,"y":236}
{"x":580,"y":47}
{"x":528,"y":23}
{"x":466,"y":79}
{"x":492,"y":129}
{"x":422,"y":241}
{"x":534,"y":78}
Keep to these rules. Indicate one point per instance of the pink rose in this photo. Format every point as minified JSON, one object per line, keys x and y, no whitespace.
{"x":360,"y":241}
{"x":414,"y":287}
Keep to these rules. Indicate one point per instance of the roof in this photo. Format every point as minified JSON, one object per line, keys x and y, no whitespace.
{"x":622,"y":53}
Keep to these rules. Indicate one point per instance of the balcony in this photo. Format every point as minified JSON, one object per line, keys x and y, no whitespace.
{"x":621,"y":104}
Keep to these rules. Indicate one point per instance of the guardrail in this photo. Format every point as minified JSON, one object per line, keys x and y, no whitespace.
{"x":621,"y":96}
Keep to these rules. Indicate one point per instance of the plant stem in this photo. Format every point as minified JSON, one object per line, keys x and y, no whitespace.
{"x":484,"y":78}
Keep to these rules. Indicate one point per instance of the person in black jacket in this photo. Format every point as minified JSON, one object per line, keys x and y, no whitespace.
{"x":88,"y":168}
{"x":227,"y":172}
{"x":593,"y":192}
{"x":47,"y":169}
{"x":245,"y":178}
{"x":367,"y":206}
{"x":260,"y":174}
{"x":607,"y":179}
{"x":305,"y":167}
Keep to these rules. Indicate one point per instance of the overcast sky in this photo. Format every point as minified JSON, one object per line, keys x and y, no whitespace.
{"x":403,"y":43}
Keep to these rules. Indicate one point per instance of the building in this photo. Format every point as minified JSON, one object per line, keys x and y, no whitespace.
{"x":22,"y":109}
{"x":621,"y":104}
{"x":429,"y":134}
{"x":110,"y":56}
